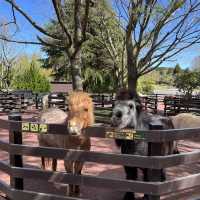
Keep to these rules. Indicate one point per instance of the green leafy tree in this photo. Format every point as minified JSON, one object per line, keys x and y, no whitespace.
{"x":177,"y":69}
{"x":164,"y":76}
{"x":146,"y":84}
{"x":69,"y":38}
{"x":187,"y":81}
{"x":98,"y":81}
{"x":102,"y":56}
{"x":28,"y":75}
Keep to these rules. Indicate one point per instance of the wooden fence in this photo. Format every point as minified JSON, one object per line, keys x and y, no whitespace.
{"x":175,"y":104}
{"x":151,"y":102}
{"x":10,"y":101}
{"x":58,"y":100}
{"x":172,"y":104}
{"x":103,"y":107}
{"x":103,"y":100}
{"x":20,"y":100}
{"x":154,"y":162}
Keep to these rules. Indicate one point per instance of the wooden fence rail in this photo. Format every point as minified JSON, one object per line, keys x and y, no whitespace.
{"x":175,"y":104}
{"x":150,"y":103}
{"x":15,"y":100}
{"x":154,"y":161}
{"x":59,"y":100}
{"x":103,"y":100}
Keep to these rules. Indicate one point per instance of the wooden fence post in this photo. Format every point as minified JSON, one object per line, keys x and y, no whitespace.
{"x":36,"y":101}
{"x":49,"y":100}
{"x":145,"y":102}
{"x":175,"y":105}
{"x":22,"y":103}
{"x":165,"y":106}
{"x":15,"y":160}
{"x":102,"y":100}
{"x":156,"y":104}
{"x":155,"y":149}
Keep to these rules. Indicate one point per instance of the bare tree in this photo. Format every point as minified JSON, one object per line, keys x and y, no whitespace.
{"x":156,"y":31}
{"x":72,"y":40}
{"x":7,"y":58}
{"x":114,"y":42}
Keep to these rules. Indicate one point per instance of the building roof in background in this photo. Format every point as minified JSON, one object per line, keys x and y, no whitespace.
{"x":64,"y":87}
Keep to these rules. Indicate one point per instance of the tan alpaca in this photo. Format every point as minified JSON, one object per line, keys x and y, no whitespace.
{"x":80,"y":115}
{"x":185,"y":120}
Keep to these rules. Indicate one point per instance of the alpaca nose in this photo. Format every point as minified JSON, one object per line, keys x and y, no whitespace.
{"x":118,"y":114}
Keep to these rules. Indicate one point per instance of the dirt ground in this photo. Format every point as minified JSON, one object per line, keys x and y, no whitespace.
{"x":101,"y":145}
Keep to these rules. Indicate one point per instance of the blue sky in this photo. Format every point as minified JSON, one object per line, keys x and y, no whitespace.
{"x":41,"y":11}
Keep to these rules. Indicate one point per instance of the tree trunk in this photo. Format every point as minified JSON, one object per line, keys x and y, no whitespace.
{"x":131,"y":63}
{"x":132,"y":79}
{"x":132,"y":68}
{"x":116,"y":76}
{"x":76,"y":72}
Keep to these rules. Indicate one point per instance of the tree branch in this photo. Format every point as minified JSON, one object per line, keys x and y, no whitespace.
{"x":85,"y":20}
{"x":2,"y":37}
{"x":156,"y":31}
{"x":60,"y":16}
{"x":30,"y":20}
{"x":77,"y":21}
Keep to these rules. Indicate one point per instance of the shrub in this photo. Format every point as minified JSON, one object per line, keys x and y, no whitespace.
{"x":187,"y":81}
{"x":30,"y":77}
{"x":146,"y":84}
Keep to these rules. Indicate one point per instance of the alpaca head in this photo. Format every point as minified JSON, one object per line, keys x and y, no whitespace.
{"x":126,"y":110}
{"x":81,"y":112}
{"x":124,"y":114}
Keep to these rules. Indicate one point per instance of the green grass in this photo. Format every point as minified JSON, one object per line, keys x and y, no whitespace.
{"x":103,"y":115}
{"x":103,"y":112}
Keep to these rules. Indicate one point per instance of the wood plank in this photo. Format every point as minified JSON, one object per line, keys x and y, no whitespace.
{"x":100,"y":131}
{"x":5,"y":167}
{"x":4,"y":124}
{"x":24,"y":195}
{"x":86,"y":180}
{"x":15,"y":137}
{"x":179,"y":184}
{"x":90,"y":156}
{"x":155,"y":162}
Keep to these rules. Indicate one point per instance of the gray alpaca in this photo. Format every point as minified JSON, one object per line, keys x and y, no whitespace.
{"x":127,"y":113}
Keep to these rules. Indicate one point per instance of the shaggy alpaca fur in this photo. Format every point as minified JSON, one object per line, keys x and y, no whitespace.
{"x":127,"y":113}
{"x":80,"y":116}
{"x":185,"y":120}
{"x":81,"y":103}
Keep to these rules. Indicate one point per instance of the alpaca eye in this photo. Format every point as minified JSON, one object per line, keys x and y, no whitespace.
{"x":131,"y":106}
{"x":85,"y":109}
